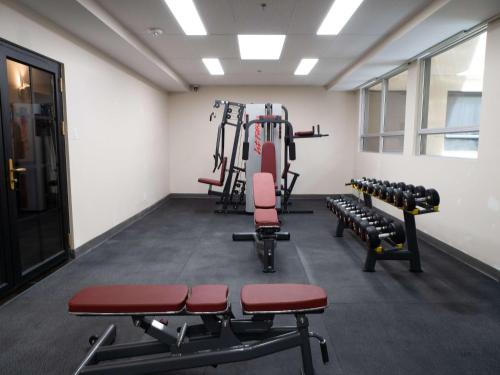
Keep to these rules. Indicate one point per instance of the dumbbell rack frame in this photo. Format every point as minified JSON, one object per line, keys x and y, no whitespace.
{"x":411,"y":253}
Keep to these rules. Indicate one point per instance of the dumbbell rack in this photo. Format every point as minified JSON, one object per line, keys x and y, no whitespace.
{"x":411,"y":253}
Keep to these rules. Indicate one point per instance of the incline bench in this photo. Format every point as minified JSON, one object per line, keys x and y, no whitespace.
{"x":220,"y":338}
{"x":267,"y":224}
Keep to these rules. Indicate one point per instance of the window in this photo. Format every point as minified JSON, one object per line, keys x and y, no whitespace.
{"x":452,"y":91}
{"x":384,"y":115}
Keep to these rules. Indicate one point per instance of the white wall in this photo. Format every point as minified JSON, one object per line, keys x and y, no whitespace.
{"x":470,"y":188}
{"x":118,"y":136}
{"x":324,"y":163}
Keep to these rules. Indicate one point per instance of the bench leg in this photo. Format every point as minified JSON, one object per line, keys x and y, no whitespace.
{"x":305,"y":346}
{"x":268,"y":254}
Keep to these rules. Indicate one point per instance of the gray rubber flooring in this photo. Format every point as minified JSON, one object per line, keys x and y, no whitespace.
{"x":443,"y":321}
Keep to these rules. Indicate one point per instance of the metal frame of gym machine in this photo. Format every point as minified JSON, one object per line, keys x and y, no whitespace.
{"x":230,"y":188}
{"x":287,"y":190}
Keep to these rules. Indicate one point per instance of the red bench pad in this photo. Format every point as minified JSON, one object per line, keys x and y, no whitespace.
{"x":129,"y":299}
{"x":282,"y":298}
{"x":264,"y":194}
{"x":220,"y":181}
{"x":209,"y":298}
{"x":210,"y":181}
{"x":266,"y":217}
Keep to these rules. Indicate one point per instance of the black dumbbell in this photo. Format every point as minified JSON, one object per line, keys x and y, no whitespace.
{"x":342,"y":202}
{"x":421,"y":195}
{"x":359,"y":223}
{"x":330,"y":200}
{"x":370,"y":189}
{"x":398,"y":193}
{"x":394,"y":232}
{"x":362,"y":213}
{"x":368,"y":216}
{"x":389,"y":194}
{"x":356,"y":182}
{"x":346,"y":213}
{"x":380,"y":222}
{"x":344,"y":210}
{"x":339,"y":204}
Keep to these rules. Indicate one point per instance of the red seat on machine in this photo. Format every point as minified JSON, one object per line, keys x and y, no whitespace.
{"x":264,"y":194}
{"x":266,"y":217}
{"x":282,"y":298}
{"x":129,"y":299}
{"x":220,"y":181}
{"x":209,"y":298}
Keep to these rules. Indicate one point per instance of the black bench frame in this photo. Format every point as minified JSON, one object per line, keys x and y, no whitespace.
{"x":265,"y":244}
{"x":219,"y":339}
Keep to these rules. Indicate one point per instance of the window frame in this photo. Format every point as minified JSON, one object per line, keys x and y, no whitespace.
{"x":425,"y":77}
{"x":381,"y":134}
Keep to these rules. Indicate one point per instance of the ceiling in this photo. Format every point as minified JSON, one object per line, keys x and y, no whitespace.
{"x":118,"y":28}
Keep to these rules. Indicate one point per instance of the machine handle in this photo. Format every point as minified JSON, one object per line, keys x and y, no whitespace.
{"x":12,"y":171}
{"x":291,"y":151}
{"x":246,"y":147}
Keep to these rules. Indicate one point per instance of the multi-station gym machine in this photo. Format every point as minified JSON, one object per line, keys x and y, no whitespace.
{"x":258,"y":124}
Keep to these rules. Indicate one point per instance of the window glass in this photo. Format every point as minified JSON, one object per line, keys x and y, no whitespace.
{"x":373,"y":108}
{"x":371,"y":144}
{"x":461,"y":145}
{"x":462,"y":109}
{"x":396,"y":103}
{"x":455,"y":83}
{"x":393,"y":143}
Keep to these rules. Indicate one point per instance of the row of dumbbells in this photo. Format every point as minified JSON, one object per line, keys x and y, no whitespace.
{"x":401,"y":195}
{"x":368,"y":224}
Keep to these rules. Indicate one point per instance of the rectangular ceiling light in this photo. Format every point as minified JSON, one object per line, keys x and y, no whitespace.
{"x":338,"y":15}
{"x":305,"y":66}
{"x":187,"y":16}
{"x":214,"y":66}
{"x":261,"y":47}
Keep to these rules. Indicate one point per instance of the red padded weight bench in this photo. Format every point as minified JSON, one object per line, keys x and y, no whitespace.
{"x":219,"y":338}
{"x":267,"y":224}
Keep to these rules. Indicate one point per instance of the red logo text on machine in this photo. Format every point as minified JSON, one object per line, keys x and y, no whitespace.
{"x":257,"y":144}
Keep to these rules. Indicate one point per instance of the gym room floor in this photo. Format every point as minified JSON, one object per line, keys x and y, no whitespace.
{"x":443,"y":321}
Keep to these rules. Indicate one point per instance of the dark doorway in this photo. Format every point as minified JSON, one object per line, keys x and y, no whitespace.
{"x":33,"y":194}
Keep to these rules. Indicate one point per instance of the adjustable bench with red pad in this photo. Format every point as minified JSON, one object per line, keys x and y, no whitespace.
{"x":267,"y":223}
{"x":220,"y":338}
{"x":264,"y":196}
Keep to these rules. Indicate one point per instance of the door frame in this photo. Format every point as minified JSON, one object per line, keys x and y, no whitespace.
{"x":8,"y":231}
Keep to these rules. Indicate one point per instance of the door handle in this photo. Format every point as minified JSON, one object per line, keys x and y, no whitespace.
{"x":12,"y":171}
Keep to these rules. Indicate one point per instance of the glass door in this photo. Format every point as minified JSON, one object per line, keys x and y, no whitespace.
{"x":34,"y":170}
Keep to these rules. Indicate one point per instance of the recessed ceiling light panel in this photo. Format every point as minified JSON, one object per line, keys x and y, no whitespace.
{"x":187,"y":16}
{"x":213,"y":66}
{"x":305,"y":66}
{"x":338,"y":15}
{"x":261,"y":47}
